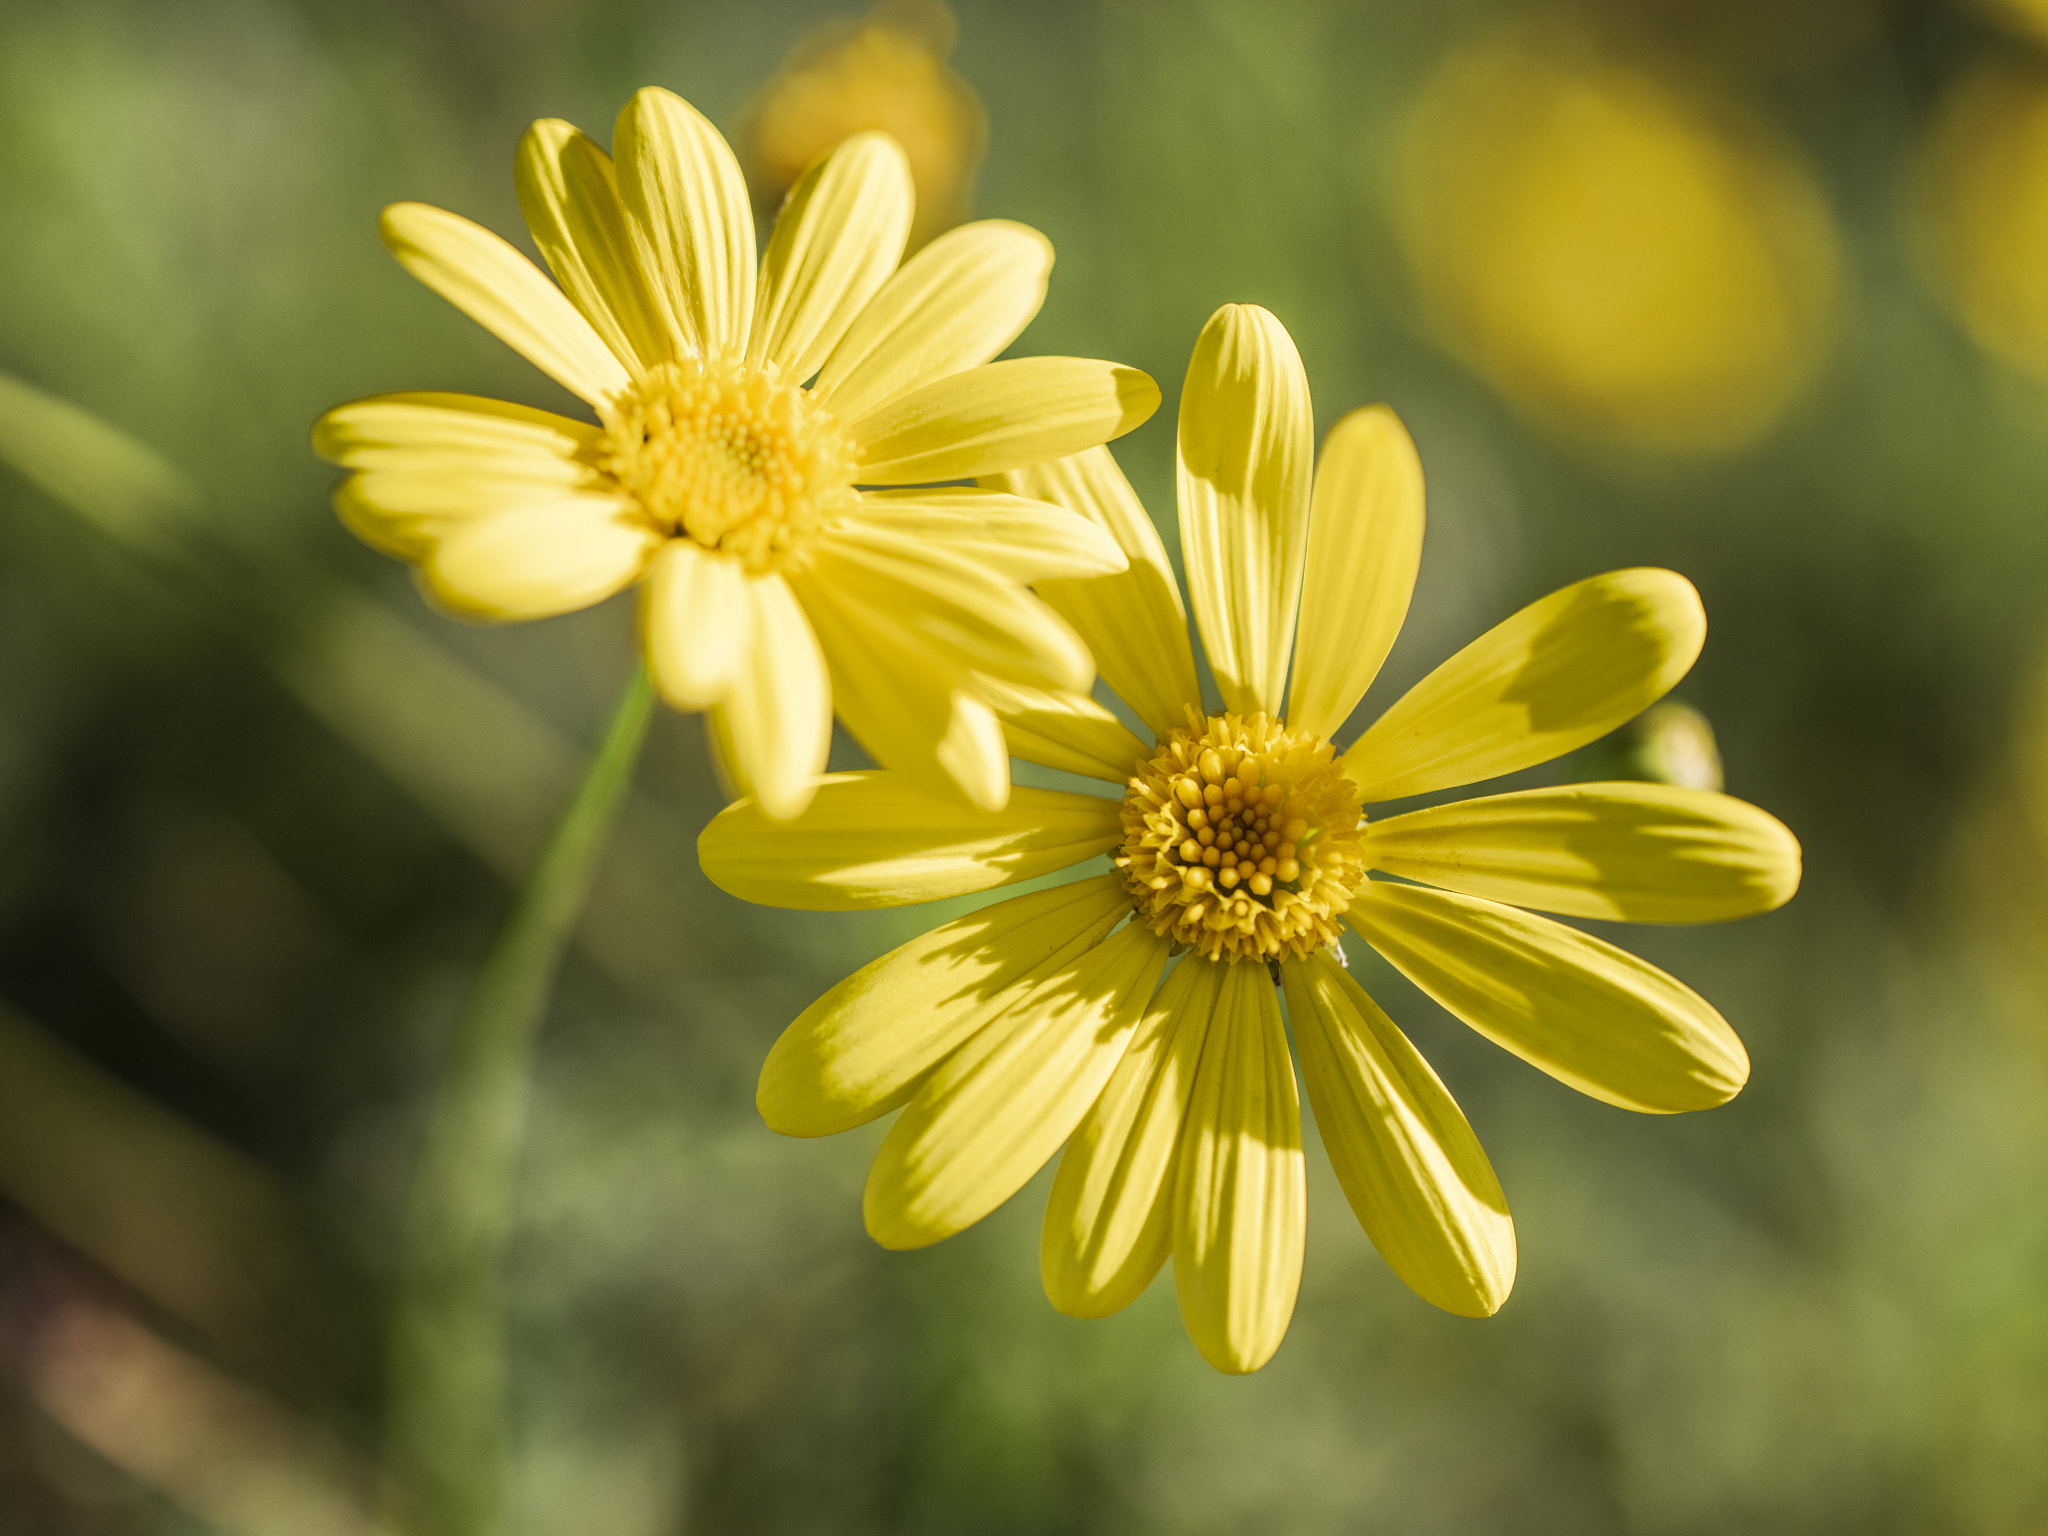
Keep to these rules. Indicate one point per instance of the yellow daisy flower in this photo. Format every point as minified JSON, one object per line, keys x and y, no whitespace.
{"x":1242,"y":845}
{"x":746,"y":428}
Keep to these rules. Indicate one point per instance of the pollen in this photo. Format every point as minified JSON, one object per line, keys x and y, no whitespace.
{"x":729,"y":456}
{"x":1242,"y":839}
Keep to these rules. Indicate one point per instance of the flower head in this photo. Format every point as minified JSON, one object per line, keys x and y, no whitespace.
{"x":747,"y":427}
{"x":1240,"y":843}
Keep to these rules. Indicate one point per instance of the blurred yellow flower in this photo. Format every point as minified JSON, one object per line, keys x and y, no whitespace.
{"x":2028,"y":16}
{"x":1980,"y":209}
{"x":1607,"y":253}
{"x":885,"y":72}
{"x":773,"y":589}
{"x":1241,"y":844}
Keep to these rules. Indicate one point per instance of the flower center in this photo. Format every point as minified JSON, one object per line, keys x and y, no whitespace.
{"x":1242,"y":839}
{"x":729,"y":456}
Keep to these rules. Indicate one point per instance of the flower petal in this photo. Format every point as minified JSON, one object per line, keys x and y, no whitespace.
{"x":1589,"y":1014}
{"x":1020,"y":539}
{"x":423,"y":462}
{"x":874,"y":840}
{"x":1640,"y":853}
{"x":1240,"y":1192}
{"x":1364,"y":548}
{"x":696,"y":623}
{"x":1246,"y":446}
{"x":838,"y":237}
{"x":999,"y":416}
{"x":1063,"y":730}
{"x":991,"y":1114}
{"x":777,"y":718}
{"x":1109,"y":1221}
{"x":1565,"y":670}
{"x":570,"y":197}
{"x":693,"y":229}
{"x":1408,"y":1161}
{"x":952,"y":306}
{"x":537,"y":561}
{"x":505,"y":293}
{"x":862,"y":1049}
{"x":1135,"y":622}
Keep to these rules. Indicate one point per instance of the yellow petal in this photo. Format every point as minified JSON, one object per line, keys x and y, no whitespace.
{"x":973,"y":754}
{"x":504,"y":293}
{"x":1134,"y":623}
{"x":1063,"y":730}
{"x":1589,"y":1014}
{"x":861,"y":1049}
{"x":999,"y":416}
{"x":1364,"y":547}
{"x":696,"y":623}
{"x":991,"y":1113}
{"x":425,"y":461}
{"x":1408,"y":1161}
{"x":1109,"y":1222}
{"x":952,"y":306}
{"x":838,"y":237}
{"x":1641,"y":853}
{"x":1023,"y":540}
{"x":570,"y":197}
{"x":777,"y":719}
{"x":693,"y":229}
{"x":1565,"y":670}
{"x":873,"y":840}
{"x":1247,"y":441}
{"x":1240,"y":1192}
{"x":532,"y":564}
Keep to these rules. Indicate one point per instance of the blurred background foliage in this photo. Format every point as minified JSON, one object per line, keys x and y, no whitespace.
{"x":1755,"y":290}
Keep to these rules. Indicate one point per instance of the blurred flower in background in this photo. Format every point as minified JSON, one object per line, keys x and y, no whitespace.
{"x":886,"y":71}
{"x":1978,"y":206}
{"x":1668,"y":743}
{"x":1622,"y":259}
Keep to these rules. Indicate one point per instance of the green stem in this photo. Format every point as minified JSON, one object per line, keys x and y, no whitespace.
{"x":448,"y":1373}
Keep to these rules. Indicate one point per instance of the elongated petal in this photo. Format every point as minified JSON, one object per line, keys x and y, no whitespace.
{"x":693,"y":229}
{"x":391,"y":431}
{"x":1109,"y":1222}
{"x":861,"y":1049}
{"x":504,"y":293}
{"x":1025,"y":541}
{"x":1134,"y":623}
{"x":1641,"y":853}
{"x":952,"y":306}
{"x":777,"y":717}
{"x":1565,"y":670}
{"x":838,"y":237}
{"x":873,"y":840}
{"x":533,"y":563}
{"x":1408,"y":1161}
{"x":1247,"y":442}
{"x":993,"y":1112}
{"x":1063,"y":730}
{"x":1589,"y":1014}
{"x":570,"y":197}
{"x":1241,"y":1192}
{"x":999,"y":416}
{"x":696,"y":622}
{"x":1364,"y":548}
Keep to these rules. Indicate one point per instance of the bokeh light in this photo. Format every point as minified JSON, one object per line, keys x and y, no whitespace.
{"x":886,"y":71}
{"x":1618,"y":257}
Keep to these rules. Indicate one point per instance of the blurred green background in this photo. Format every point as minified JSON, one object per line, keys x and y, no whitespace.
{"x":1757,"y":291}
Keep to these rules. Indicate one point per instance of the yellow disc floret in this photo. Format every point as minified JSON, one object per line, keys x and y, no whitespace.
{"x":730,"y":457}
{"x":1242,"y":839}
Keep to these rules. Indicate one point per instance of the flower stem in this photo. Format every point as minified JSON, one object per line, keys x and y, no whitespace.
{"x":447,"y":1434}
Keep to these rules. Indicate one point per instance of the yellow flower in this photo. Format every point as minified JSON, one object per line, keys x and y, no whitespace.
{"x":1980,"y":209}
{"x":1241,"y":843}
{"x":887,"y":71}
{"x":778,"y":580}
{"x":1609,"y":254}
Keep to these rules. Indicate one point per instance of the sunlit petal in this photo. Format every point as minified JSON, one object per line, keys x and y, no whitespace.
{"x":776,"y":719}
{"x":697,"y":623}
